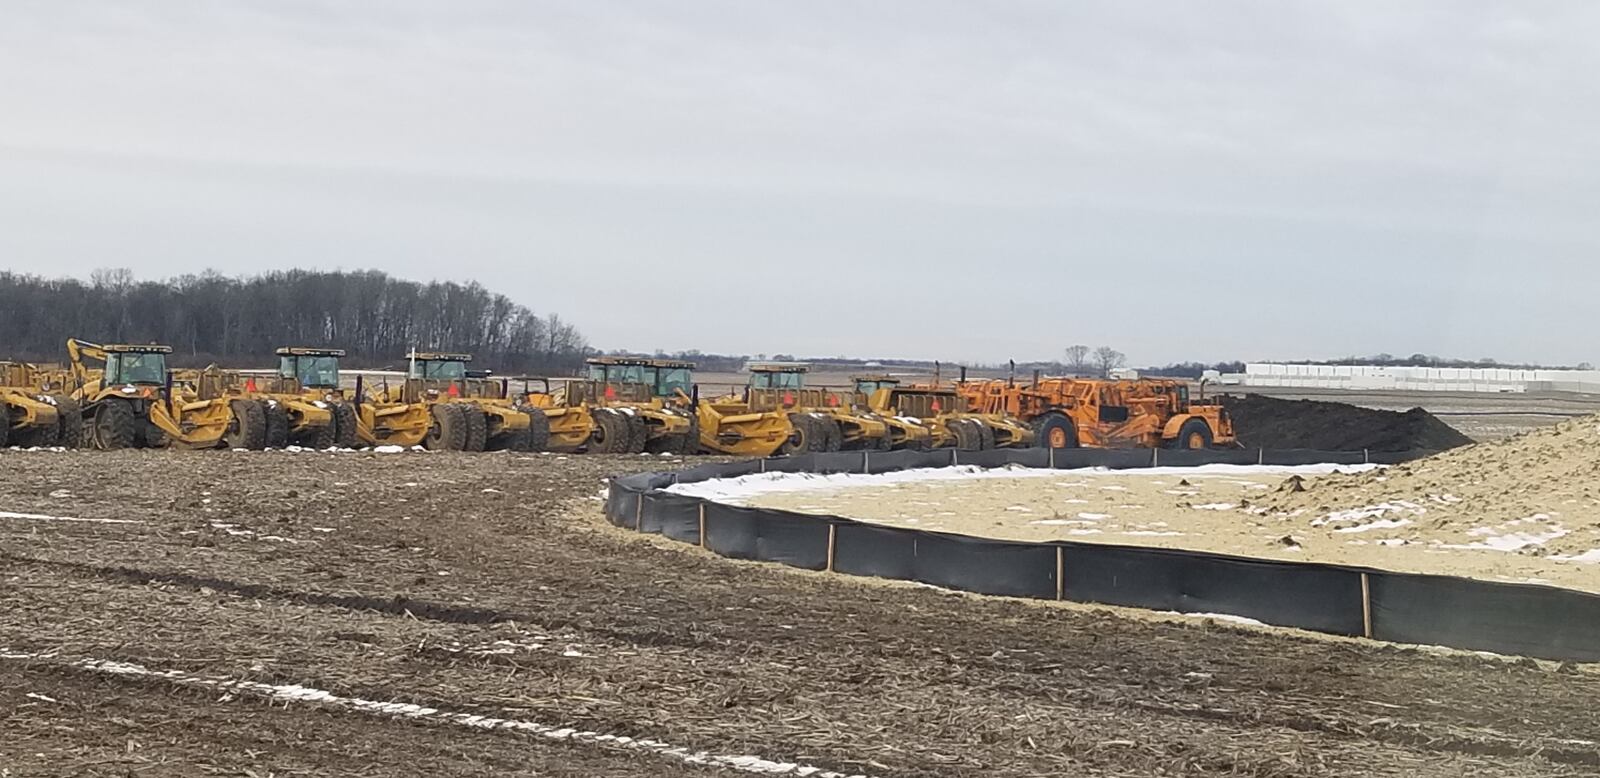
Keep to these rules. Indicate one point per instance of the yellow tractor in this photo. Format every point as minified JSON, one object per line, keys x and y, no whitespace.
{"x":639,"y":405}
{"x":624,"y":405}
{"x":32,"y":416}
{"x":463,"y":410}
{"x":566,"y":427}
{"x":129,"y":401}
{"x":822,"y":420}
{"x":302,"y":403}
{"x":943,"y":413}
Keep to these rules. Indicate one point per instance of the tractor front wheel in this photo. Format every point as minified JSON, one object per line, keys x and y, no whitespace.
{"x":116,"y":426}
{"x":1194,"y":435}
{"x":1055,"y":430}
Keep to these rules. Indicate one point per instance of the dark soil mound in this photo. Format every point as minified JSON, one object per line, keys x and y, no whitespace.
{"x":1268,"y":422}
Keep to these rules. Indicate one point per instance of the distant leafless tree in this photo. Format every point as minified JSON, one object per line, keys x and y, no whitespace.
{"x":1107,"y":359}
{"x":1077,"y":360}
{"x":239,"y":321}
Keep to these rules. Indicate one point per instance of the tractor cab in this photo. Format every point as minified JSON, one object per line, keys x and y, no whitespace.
{"x":778,"y":375}
{"x":437,"y":375}
{"x":868,"y":385}
{"x":308,"y":368}
{"x":136,"y":365}
{"x":637,"y":379}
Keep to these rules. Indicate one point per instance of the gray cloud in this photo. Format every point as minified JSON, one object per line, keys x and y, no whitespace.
{"x":938,"y":179}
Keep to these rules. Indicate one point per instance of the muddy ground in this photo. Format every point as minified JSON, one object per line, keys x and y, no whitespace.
{"x":488,"y":585}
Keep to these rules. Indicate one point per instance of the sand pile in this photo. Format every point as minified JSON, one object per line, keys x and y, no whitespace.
{"x":1537,"y":495}
{"x":1269,"y":422}
{"x":1525,"y":509}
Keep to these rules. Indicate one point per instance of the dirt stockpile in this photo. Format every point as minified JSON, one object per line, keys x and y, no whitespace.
{"x":1268,"y":422}
{"x":1534,"y":495}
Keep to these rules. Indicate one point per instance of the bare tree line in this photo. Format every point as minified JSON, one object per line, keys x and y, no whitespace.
{"x":240,"y":320}
{"x":1080,"y":360}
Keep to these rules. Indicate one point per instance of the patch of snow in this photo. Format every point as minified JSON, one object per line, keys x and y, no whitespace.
{"x":1094,"y":516}
{"x":1215,"y":506}
{"x":1590,"y":557}
{"x":744,"y":488}
{"x":307,"y":694}
{"x":1228,"y":617}
{"x":1379,"y":524}
{"x":42,"y":517}
{"x":390,"y":449}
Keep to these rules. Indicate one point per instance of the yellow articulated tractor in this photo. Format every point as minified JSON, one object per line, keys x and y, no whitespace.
{"x":639,"y":405}
{"x":445,"y":407}
{"x":566,"y":427}
{"x":823,"y":420}
{"x":129,"y":401}
{"x":301,"y":403}
{"x":32,"y":416}
{"x":942,"y":412}
{"x":623,"y":405}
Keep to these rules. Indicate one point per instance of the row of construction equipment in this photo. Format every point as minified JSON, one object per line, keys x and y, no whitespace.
{"x":124,"y":396}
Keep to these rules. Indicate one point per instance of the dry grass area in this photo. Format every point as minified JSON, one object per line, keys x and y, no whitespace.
{"x":259,"y":594}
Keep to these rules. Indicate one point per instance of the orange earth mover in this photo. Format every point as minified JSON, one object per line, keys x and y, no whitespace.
{"x":1137,"y":413}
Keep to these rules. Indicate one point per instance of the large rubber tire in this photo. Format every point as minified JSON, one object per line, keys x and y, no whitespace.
{"x":344,"y":426}
{"x":326,"y":436}
{"x":1055,"y":428}
{"x":36,"y":437}
{"x":1195,"y":435}
{"x":247,"y":429}
{"x":277,"y":424}
{"x":516,"y":440}
{"x":968,"y":434}
{"x":69,"y":422}
{"x":116,"y":425}
{"x":985,"y":436}
{"x":611,"y":434}
{"x":638,"y":432}
{"x":154,"y":437}
{"x":538,"y":430}
{"x":689,"y":443}
{"x":801,"y":435}
{"x":832,"y":434}
{"x":477,"y":427}
{"x":449,"y":429}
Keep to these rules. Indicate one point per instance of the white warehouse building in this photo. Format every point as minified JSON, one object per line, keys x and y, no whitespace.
{"x":1416,"y":379}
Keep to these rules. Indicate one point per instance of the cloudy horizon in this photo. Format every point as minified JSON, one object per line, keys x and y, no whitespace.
{"x":939,"y":180}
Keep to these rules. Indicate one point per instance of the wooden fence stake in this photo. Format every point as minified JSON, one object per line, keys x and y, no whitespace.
{"x":702,"y":525}
{"x":1052,"y":451}
{"x":638,"y":513}
{"x":1061,"y":569}
{"x":1366,"y":607}
{"x":832,"y":541}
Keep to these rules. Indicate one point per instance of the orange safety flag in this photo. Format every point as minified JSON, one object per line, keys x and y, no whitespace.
{"x":833,"y":399}
{"x":250,"y":385}
{"x":453,"y":391}
{"x":611,"y":392}
{"x":937,"y":406}
{"x":788,"y":398}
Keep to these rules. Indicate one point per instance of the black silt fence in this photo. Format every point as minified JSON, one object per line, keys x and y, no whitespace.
{"x":1529,"y":620}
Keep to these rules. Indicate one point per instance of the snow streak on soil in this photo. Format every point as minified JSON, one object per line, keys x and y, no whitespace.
{"x":299,"y":693}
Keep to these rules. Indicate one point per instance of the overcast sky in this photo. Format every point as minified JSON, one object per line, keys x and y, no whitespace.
{"x":956,"y":180}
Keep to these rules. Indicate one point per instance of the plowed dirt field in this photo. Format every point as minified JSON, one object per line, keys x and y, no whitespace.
{"x":164,"y":613}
